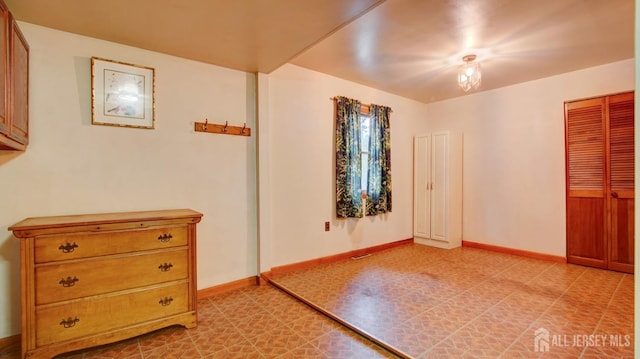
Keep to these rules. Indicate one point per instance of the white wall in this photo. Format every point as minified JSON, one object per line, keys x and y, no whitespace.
{"x":303,"y":171}
{"x":514,"y":179}
{"x":73,"y":167}
{"x":514,"y":170}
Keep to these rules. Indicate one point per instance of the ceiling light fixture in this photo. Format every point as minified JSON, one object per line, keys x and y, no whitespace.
{"x":469,"y":75}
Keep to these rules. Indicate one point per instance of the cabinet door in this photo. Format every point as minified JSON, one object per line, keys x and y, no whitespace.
{"x":422,"y":183}
{"x":4,"y":52}
{"x":439,"y":185}
{"x":585,"y":156}
{"x":621,"y":182}
{"x":20,"y":81}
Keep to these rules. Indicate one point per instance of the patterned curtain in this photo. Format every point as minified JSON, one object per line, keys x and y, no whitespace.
{"x":379,"y":183}
{"x":348,"y":159}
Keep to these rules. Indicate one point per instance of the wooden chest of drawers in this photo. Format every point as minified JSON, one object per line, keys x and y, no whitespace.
{"x":88,"y":280}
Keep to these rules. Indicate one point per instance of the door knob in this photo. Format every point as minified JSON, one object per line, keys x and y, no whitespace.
{"x":614,"y":194}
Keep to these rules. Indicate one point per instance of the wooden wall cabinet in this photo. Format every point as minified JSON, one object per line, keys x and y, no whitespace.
{"x":438,"y":189}
{"x":600,"y":181}
{"x":88,"y":280}
{"x":14,"y":84}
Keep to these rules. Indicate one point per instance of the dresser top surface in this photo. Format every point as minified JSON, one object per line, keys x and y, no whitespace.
{"x":103,"y":218}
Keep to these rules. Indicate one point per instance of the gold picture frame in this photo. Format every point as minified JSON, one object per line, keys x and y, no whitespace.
{"x":122,"y":94}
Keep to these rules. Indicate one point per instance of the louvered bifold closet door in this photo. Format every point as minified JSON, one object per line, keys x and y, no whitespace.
{"x":586,"y":206}
{"x":621,"y":181}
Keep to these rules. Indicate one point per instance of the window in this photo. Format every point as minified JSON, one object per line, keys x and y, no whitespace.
{"x":364,"y":153}
{"x":363,"y":159}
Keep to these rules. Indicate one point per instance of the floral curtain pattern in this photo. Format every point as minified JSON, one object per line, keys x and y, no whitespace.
{"x":379,"y":177}
{"x":348,"y":159}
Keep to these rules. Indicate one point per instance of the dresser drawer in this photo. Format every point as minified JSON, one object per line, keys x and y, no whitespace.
{"x":62,"y":280}
{"x":84,"y":245}
{"x":83,"y":318}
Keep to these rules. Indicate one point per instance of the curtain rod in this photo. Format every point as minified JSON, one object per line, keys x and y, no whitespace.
{"x":368,"y":106}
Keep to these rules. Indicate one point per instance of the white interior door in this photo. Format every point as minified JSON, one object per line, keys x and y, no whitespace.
{"x":422,"y":183}
{"x":439,"y":186}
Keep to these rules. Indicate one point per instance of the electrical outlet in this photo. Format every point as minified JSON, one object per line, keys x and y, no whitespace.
{"x":326,"y":227}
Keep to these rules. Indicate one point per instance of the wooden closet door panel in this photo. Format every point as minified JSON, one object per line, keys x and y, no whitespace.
{"x":621,"y":181}
{"x":586,"y":231}
{"x":622,"y":235}
{"x":586,"y":206}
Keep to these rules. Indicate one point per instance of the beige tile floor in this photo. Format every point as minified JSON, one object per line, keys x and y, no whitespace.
{"x":423,"y":302}
{"x":473,"y":303}
{"x":254,"y":322}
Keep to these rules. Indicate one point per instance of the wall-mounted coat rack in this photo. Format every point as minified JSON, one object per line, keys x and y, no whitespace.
{"x":223,"y":129}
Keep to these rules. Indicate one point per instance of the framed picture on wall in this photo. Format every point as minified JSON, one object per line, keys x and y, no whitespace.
{"x":122,"y":94}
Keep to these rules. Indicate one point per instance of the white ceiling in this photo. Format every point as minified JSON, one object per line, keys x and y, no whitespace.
{"x":407,"y":47}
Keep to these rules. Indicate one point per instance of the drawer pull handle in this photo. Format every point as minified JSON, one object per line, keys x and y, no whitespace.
{"x":164,"y":238}
{"x":165,"y":301}
{"x":68,"y":282}
{"x":68,"y":248}
{"x":165,"y":267}
{"x":69,"y":322}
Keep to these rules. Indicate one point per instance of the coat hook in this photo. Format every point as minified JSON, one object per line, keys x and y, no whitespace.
{"x":226,"y":123}
{"x":243,"y":128}
{"x":206,"y":122}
